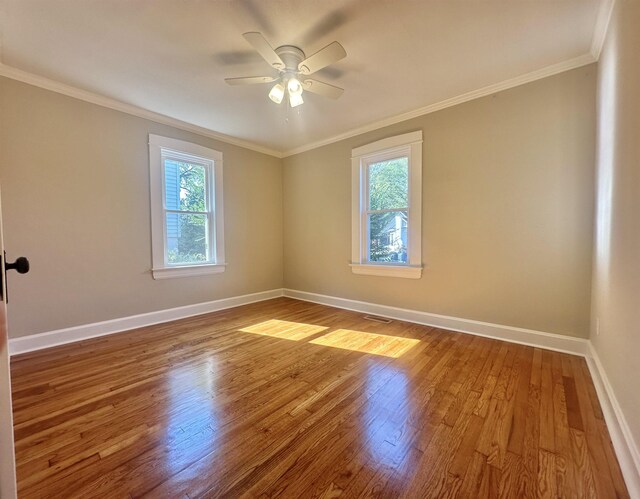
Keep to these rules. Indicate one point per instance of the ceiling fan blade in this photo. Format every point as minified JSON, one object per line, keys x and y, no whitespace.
{"x":232,"y":58}
{"x":328,"y":55}
{"x":257,"y":14}
{"x":264,"y":49}
{"x":321,"y":88}
{"x":249,"y":80}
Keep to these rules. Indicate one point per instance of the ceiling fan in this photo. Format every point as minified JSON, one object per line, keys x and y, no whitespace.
{"x":294,"y":67}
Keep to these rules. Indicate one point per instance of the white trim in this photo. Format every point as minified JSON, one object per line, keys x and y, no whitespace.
{"x":550,"y":341}
{"x":405,"y":145}
{"x":116,"y":105}
{"x":187,"y":270}
{"x":69,"y":335}
{"x":183,"y":146}
{"x":388,"y":143}
{"x":165,"y":147}
{"x":601,"y":27}
{"x":8,"y":481}
{"x":627,"y":450}
{"x":539,"y":74}
{"x":529,"y":337}
{"x":100,"y":100}
{"x":410,"y":272}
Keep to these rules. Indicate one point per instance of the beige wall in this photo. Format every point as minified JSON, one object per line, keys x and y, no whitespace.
{"x":507,"y":210}
{"x":616,"y":295}
{"x":75,"y":195}
{"x":507,"y":222}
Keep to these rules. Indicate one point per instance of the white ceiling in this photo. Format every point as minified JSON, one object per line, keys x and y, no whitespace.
{"x":171,"y":56}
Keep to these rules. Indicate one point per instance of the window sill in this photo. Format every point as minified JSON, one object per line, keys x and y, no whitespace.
{"x":188,"y":270}
{"x":406,"y":271}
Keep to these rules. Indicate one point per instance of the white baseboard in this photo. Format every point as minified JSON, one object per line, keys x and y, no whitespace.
{"x":627,"y":450}
{"x":529,"y":337}
{"x":567,"y":344}
{"x":69,"y":335}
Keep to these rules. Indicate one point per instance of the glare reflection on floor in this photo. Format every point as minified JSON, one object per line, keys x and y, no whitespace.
{"x":283,"y":329}
{"x":190,"y":433}
{"x":377,"y":344}
{"x":388,"y":435}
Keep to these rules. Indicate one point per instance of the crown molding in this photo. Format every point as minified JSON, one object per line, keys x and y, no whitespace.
{"x":62,"y":88}
{"x":108,"y":102}
{"x":561,"y":67}
{"x":601,"y":27}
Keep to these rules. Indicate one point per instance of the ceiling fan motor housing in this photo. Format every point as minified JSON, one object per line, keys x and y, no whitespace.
{"x":292,"y":57}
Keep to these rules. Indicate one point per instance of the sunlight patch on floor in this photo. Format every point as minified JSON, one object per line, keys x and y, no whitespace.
{"x":283,"y":329}
{"x":377,"y":344}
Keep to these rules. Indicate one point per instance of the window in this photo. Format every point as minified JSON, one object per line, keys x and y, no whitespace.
{"x":387,"y":207}
{"x":187,"y":222}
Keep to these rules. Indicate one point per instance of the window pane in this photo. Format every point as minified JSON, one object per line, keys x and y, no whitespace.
{"x":388,"y":184}
{"x":187,"y":238}
{"x":185,"y":186}
{"x":388,"y":237}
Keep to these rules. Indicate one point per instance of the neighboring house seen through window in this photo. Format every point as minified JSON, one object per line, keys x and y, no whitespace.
{"x":386,"y":219}
{"x":186,"y":208}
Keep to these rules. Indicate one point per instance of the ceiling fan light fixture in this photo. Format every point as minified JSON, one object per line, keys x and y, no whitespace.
{"x":295,"y":99}
{"x":292,"y":65}
{"x":294,"y":86}
{"x":277,"y":93}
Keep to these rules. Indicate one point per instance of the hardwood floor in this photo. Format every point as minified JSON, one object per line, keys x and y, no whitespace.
{"x":229,"y":404}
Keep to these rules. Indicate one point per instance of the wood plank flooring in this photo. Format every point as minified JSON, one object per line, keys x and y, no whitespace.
{"x":252,"y":401}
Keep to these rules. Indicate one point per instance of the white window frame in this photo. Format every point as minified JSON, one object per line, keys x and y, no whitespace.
{"x":409,"y":145}
{"x":159,"y":148}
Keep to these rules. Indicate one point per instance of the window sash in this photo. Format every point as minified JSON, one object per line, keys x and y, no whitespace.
{"x":163,"y":148}
{"x":387,"y":210}
{"x":365,"y":190}
{"x":192,"y":160}
{"x":405,"y":152}
{"x":208,"y":236}
{"x":367,"y":225}
{"x":407,"y":145}
{"x":209,"y":190}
